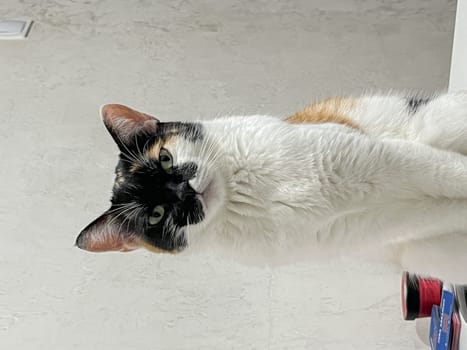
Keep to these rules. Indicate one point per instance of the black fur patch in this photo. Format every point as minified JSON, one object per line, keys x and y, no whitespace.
{"x":151,"y":186}
{"x":414,"y":103}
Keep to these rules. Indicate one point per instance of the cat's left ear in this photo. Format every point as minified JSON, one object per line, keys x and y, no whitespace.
{"x":106,"y":234}
{"x":125,"y":124}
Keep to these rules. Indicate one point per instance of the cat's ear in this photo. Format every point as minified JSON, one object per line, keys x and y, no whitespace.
{"x":104,"y":234}
{"x":126,"y":124}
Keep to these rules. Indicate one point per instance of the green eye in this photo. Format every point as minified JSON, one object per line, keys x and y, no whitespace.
{"x":157,"y":215}
{"x":165,"y":158}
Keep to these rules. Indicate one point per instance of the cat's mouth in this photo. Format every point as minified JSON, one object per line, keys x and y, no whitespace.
{"x":206,"y":194}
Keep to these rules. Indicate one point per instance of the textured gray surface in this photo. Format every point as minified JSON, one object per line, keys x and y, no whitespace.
{"x":179,"y":60}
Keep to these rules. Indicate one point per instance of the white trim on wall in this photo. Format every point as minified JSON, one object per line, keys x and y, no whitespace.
{"x":458,"y":75}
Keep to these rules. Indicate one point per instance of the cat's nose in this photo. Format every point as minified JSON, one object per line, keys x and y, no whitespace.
{"x":182,"y":189}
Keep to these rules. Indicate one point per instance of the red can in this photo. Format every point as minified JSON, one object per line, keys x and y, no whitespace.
{"x":419,"y":294}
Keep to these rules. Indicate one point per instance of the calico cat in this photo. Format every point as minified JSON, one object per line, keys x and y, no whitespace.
{"x":381,"y":174}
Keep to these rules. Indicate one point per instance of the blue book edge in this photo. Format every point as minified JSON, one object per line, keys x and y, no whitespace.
{"x":445,"y":317}
{"x":434,"y":326}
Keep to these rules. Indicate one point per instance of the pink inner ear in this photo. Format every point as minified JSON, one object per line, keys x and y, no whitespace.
{"x":110,"y":111}
{"x":108,"y":241}
{"x":102,"y":235}
{"x":124,"y":122}
{"x":120,"y":245}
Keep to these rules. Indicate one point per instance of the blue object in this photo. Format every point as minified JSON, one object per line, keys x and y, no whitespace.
{"x":441,"y":316}
{"x":434,"y":326}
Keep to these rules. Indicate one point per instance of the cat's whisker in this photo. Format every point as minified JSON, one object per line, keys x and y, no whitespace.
{"x":122,"y":212}
{"x":130,"y":161}
{"x":118,"y":207}
{"x":213,"y":152}
{"x":140,"y":156}
{"x":171,"y":230}
{"x":146,"y":149}
{"x":127,"y":152}
{"x":129,"y":216}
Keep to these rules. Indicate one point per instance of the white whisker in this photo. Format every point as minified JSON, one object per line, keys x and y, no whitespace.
{"x":130,"y":207}
{"x":128,"y":152}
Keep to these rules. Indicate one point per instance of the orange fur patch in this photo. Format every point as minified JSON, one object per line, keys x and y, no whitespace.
{"x":332,"y":110}
{"x":154,"y":249}
{"x":170,"y":140}
{"x":134,"y":168}
{"x":153,"y":152}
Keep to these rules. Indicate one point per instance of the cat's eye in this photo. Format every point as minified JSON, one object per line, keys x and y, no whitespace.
{"x":165,"y":159}
{"x":156,"y":215}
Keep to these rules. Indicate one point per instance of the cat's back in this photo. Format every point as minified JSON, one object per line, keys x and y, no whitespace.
{"x":403,"y":116}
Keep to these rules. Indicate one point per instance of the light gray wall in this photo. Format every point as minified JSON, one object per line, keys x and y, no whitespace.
{"x":181,"y":60}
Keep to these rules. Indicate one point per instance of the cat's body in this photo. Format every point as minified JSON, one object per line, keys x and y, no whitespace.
{"x":386,"y":174}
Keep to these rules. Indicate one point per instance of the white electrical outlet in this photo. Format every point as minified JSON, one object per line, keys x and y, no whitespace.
{"x":14,"y":29}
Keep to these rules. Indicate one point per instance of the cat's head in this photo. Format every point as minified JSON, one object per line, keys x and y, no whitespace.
{"x":165,"y":184}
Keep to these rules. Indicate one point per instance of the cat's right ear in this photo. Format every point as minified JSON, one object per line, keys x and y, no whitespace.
{"x":126,"y":124}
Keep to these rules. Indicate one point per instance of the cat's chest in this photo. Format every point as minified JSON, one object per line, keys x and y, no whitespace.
{"x":264,"y":201}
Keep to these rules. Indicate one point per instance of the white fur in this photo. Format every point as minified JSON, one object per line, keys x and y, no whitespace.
{"x":284,"y":192}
